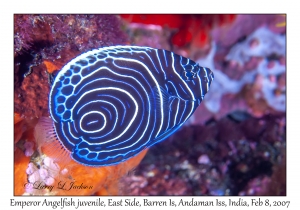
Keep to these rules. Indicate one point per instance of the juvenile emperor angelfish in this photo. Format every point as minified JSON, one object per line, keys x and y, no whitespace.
{"x":109,"y":104}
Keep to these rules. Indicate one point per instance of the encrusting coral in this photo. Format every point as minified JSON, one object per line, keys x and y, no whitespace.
{"x":36,"y":173}
{"x":192,"y":30}
{"x":250,"y":75}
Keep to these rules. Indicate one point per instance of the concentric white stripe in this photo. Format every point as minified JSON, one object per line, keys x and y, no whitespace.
{"x":131,"y":121}
{"x":91,"y":112}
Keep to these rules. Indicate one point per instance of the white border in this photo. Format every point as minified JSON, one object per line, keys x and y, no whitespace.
{"x":153,"y":6}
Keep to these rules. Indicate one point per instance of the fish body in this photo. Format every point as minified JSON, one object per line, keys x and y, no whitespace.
{"x":111,"y":103}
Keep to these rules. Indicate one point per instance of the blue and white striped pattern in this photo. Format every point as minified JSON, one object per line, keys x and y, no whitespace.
{"x":109,"y":104}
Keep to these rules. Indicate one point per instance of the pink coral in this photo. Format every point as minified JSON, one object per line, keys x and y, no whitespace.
{"x":28,"y":148}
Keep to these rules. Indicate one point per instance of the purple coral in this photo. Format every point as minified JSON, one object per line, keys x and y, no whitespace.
{"x":55,"y":32}
{"x":263,"y":77}
{"x":55,"y":38}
